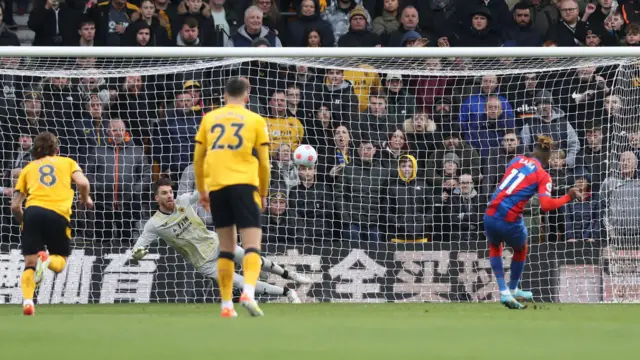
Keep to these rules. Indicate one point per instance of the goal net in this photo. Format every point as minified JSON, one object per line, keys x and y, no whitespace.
{"x":410,"y":151}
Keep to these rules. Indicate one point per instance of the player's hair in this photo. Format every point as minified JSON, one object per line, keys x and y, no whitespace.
{"x":544,"y":143}
{"x":163,"y":180}
{"x":236,"y":87}
{"x":45,"y":144}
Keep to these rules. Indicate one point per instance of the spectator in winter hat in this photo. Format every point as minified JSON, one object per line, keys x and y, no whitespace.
{"x":338,"y":15}
{"x":468,"y":158}
{"x":278,"y":226}
{"x":359,"y":34}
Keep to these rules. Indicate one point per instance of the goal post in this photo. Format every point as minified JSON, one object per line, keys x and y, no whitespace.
{"x":411,"y":144}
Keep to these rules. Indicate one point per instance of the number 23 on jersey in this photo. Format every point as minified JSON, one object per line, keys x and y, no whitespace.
{"x":219,"y":141}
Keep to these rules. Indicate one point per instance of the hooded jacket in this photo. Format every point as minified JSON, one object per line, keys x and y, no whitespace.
{"x":408,"y":205}
{"x":561,"y":131}
{"x":299,"y":27}
{"x":467,"y":36}
{"x":468,"y":157}
{"x":359,"y":192}
{"x":339,"y":18}
{"x":119,"y":173}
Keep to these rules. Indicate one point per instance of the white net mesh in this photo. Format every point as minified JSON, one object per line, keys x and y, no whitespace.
{"x":360,"y":228}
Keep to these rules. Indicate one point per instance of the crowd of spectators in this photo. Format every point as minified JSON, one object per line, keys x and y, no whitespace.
{"x":402,"y":158}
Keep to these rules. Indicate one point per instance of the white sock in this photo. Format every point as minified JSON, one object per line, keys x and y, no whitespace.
{"x":505,"y":292}
{"x":270,"y":266}
{"x":27,"y":302}
{"x":268,"y":289}
{"x":227,"y":304}
{"x":513,"y":292}
{"x":249,"y":290}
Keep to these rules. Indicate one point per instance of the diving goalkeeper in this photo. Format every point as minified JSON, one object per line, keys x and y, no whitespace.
{"x":177,"y":223}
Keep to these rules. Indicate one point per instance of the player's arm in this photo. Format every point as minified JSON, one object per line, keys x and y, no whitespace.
{"x":16,"y":205}
{"x":84,"y":188}
{"x":262,"y":148}
{"x":147,"y":237}
{"x":547,"y":203}
{"x":199,"y":156}
{"x":19,"y":195}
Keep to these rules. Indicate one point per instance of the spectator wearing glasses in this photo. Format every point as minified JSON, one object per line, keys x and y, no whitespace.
{"x":467,"y":209}
{"x":521,"y":31}
{"x":564,"y":32}
{"x":309,"y":18}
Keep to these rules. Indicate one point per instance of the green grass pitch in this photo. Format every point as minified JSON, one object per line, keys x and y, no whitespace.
{"x":322,"y":331}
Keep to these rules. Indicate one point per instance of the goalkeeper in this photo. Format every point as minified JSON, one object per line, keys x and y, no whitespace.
{"x":177,"y":223}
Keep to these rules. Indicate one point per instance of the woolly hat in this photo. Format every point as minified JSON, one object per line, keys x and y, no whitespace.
{"x":358,"y":10}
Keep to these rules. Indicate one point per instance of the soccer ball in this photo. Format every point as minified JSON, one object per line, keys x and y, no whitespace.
{"x":305,"y":155}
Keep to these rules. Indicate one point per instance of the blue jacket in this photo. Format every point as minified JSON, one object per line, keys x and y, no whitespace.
{"x":480,"y":134}
{"x":178,"y":133}
{"x":582,"y":219}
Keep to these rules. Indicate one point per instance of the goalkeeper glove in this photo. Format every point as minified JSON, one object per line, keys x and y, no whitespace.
{"x":139,"y":253}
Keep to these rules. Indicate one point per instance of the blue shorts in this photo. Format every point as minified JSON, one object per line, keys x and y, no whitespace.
{"x":498,"y":231}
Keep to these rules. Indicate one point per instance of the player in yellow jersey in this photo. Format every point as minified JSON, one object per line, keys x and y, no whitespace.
{"x":46,"y":184}
{"x":231,"y":165}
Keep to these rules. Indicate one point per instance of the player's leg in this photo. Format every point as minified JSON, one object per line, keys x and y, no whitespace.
{"x":227,"y":235}
{"x":246,"y":211}
{"x":273,"y":268}
{"x":32,"y":244}
{"x":58,"y":242}
{"x":495,"y":237}
{"x":517,"y":265}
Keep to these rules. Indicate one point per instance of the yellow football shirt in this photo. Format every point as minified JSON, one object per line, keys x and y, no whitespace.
{"x":47,"y":183}
{"x":232,"y":134}
{"x":287,"y":130}
{"x":363,"y":83}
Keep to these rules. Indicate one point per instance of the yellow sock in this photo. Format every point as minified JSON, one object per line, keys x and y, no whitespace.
{"x":226,"y":268}
{"x":251,"y":265}
{"x":28,"y":284}
{"x":57,"y":263}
